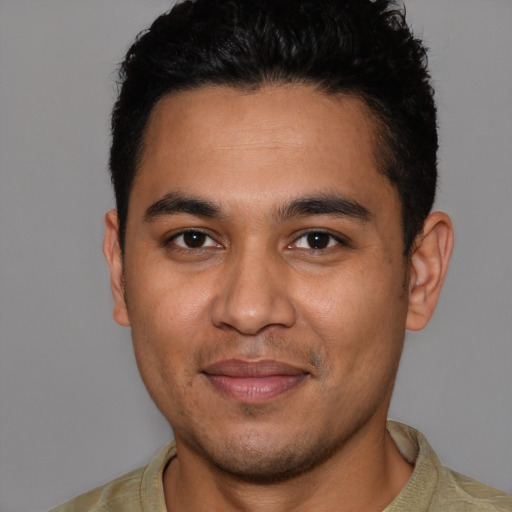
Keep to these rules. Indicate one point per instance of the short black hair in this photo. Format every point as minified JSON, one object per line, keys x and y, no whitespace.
{"x":362,"y":48}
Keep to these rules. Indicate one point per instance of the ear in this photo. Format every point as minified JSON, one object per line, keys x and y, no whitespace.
{"x":428,"y":265}
{"x":112,"y":252}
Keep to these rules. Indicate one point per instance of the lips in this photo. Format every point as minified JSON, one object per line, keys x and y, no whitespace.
{"x":253,"y":381}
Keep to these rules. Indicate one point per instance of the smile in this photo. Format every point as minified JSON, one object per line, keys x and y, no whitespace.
{"x":253,"y":382}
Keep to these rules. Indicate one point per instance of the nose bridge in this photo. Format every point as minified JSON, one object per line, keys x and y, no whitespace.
{"x":254,"y":293}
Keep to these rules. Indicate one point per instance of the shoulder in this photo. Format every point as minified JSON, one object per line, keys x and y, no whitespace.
{"x":470,"y":494}
{"x":116,"y":495}
{"x":435,"y":488}
{"x":138,"y":491}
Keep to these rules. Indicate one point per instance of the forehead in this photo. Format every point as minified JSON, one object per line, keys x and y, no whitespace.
{"x":278,"y":141}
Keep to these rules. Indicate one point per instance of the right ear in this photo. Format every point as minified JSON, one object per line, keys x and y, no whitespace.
{"x":112,"y":252}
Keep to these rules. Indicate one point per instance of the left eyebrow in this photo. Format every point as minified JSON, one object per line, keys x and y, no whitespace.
{"x":323,"y":204}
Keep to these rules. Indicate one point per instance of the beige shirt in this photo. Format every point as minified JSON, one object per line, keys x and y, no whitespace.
{"x":431,"y":488}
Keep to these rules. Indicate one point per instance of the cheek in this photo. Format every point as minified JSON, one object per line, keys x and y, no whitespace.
{"x":166,"y":333}
{"x":358,"y":313}
{"x":169,"y":320}
{"x":164,"y":299}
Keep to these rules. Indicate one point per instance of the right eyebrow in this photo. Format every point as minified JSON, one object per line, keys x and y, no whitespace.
{"x":174,"y":202}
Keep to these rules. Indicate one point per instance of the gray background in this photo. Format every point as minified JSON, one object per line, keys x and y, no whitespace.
{"x":73,"y":411}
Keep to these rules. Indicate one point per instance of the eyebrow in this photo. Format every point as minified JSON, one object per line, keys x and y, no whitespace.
{"x":174,"y":202}
{"x":323,"y":204}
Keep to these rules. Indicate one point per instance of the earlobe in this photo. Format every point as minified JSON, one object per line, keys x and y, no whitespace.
{"x":428,"y":266}
{"x":112,"y":252}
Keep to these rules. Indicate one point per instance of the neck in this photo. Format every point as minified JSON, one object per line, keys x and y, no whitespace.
{"x":366,"y":474}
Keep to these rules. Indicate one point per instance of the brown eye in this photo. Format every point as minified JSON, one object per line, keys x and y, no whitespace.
{"x":194,"y":240}
{"x":318,"y":240}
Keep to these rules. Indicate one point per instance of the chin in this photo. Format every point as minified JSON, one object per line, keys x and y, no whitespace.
{"x":259,"y":459}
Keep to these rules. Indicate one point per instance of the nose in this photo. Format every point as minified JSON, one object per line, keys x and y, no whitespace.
{"x":253,"y":296}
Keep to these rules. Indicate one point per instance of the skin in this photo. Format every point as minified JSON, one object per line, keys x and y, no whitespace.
{"x":324,"y":291}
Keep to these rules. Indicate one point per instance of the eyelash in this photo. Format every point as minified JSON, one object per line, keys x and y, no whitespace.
{"x":315,"y":232}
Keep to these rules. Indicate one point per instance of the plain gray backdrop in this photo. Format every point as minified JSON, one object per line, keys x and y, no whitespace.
{"x":73,"y":411}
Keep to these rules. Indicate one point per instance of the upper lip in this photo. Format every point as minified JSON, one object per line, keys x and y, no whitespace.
{"x":252,"y":369}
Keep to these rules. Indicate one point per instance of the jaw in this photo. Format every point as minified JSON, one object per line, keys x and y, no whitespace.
{"x":273,"y":442}
{"x":364,"y":470}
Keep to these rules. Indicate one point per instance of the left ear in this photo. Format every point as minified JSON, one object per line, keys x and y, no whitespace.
{"x":428,"y":265}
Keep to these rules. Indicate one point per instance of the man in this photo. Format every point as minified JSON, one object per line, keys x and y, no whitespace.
{"x":274,"y":164}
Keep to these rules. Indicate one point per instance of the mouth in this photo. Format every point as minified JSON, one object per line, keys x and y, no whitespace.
{"x":253,"y":382}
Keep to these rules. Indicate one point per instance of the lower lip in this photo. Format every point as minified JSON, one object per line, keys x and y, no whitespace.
{"x":254,"y":390}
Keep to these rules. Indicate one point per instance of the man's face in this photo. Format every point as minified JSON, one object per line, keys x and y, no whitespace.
{"x":264,"y":276}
